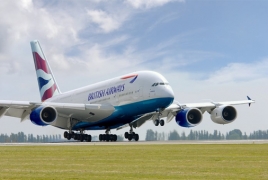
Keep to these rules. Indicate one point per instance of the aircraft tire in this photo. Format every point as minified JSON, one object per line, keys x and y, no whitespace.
{"x":69,"y":136}
{"x":130,"y":137}
{"x":162,"y":122}
{"x":88,"y":138}
{"x":65,"y":134}
{"x":81,"y":137}
{"x":126,"y":135}
{"x":136,"y":137}
{"x":156,"y":122}
{"x":107,"y":137}
{"x":115,"y":137}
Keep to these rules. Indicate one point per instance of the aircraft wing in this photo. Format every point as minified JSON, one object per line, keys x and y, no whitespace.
{"x":171,"y":111}
{"x":83,"y":112}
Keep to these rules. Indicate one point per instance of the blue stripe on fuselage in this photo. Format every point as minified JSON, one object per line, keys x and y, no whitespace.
{"x":126,"y":114}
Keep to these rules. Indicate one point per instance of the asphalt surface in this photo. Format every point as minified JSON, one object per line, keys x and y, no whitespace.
{"x":73,"y":143}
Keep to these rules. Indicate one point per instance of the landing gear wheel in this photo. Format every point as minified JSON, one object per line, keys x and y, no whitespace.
{"x":81,"y":137}
{"x":107,"y":138}
{"x":162,"y":122}
{"x":75,"y":136}
{"x":136,"y":137}
{"x":156,"y":122}
{"x":65,"y":134}
{"x":130,"y":137}
{"x":88,"y":138}
{"x":126,"y":135}
{"x":69,"y":136}
{"x":115,"y":137}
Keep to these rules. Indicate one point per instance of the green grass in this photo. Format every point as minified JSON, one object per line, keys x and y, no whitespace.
{"x":206,"y":161}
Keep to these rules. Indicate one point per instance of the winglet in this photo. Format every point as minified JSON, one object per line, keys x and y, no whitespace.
{"x":249,"y":99}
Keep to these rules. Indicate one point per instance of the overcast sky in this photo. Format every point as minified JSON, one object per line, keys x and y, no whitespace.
{"x":215,"y":50}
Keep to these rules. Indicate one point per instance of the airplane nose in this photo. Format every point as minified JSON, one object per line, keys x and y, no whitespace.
{"x":169,"y":92}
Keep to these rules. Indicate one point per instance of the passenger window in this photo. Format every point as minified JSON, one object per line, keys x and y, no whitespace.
{"x":162,"y":83}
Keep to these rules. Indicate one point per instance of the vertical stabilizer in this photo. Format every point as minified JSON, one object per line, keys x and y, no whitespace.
{"x":47,"y":84}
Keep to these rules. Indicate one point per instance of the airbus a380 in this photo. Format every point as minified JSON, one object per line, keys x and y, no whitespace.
{"x":125,"y":101}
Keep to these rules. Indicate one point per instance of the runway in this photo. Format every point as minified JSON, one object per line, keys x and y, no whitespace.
{"x":126,"y":143}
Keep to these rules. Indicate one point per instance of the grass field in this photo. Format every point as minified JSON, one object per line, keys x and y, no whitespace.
{"x":205,"y":161}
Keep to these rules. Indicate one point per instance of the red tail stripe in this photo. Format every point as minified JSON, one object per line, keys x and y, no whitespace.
{"x":49,"y":93}
{"x":40,"y":63}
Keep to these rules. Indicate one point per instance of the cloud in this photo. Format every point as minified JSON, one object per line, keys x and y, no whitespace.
{"x":105,"y":21}
{"x":237,"y":72}
{"x":140,"y":4}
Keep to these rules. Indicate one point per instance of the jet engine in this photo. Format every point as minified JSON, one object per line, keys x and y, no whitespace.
{"x":223,"y":114}
{"x":43,"y":116}
{"x":189,"y":117}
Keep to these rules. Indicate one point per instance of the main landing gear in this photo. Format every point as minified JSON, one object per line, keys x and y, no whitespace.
{"x":107,"y":136}
{"x":158,"y":120}
{"x":131,"y":135}
{"x":79,"y":137}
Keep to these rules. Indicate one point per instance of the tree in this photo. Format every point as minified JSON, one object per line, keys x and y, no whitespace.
{"x":150,"y":135}
{"x":174,"y":135}
{"x":234,"y":135}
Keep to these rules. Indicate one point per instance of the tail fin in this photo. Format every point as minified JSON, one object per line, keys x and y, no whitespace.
{"x":47,"y":84}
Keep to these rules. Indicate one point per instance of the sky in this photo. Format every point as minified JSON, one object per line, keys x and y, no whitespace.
{"x":207,"y":50}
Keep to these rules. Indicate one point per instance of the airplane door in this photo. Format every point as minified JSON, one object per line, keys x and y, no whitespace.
{"x":140,"y":92}
{"x":151,"y":92}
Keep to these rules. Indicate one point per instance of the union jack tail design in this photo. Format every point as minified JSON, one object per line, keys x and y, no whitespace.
{"x":46,"y":81}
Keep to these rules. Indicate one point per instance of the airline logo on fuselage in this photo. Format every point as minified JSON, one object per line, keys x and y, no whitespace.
{"x":134,"y":76}
{"x":111,"y":90}
{"x":106,"y":92}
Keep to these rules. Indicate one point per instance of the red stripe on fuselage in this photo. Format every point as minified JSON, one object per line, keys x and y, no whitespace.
{"x":126,"y":77}
{"x":49,"y":93}
{"x":40,"y":63}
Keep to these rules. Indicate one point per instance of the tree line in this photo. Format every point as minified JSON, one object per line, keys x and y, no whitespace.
{"x":21,"y":137}
{"x":235,"y":134}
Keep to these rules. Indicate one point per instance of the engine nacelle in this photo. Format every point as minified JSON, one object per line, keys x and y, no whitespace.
{"x":43,"y":116}
{"x":223,"y":114}
{"x":189,"y":117}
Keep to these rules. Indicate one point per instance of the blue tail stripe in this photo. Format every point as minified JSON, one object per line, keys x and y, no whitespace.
{"x":42,"y":82}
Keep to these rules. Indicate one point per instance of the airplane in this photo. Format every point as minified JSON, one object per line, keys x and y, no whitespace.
{"x":126,"y":101}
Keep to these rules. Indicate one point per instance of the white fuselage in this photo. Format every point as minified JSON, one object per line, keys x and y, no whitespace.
{"x":132,"y":95}
{"x":126,"y":92}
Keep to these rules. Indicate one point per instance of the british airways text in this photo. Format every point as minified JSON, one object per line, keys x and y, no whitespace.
{"x":106,"y":92}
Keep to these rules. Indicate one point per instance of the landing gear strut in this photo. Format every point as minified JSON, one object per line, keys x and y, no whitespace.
{"x":131,"y":135}
{"x":107,"y":136}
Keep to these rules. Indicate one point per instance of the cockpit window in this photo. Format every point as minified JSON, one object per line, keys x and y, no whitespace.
{"x":161,"y":83}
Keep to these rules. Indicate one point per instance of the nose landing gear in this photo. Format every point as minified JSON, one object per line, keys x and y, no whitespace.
{"x":158,"y":120}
